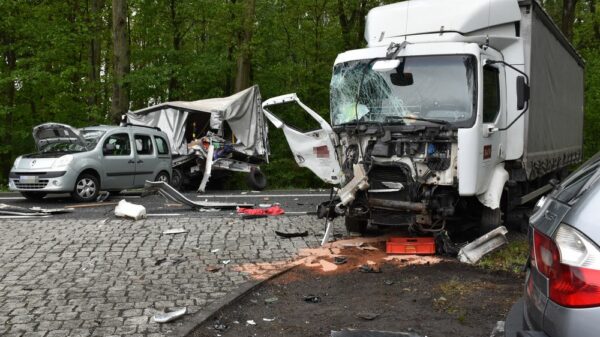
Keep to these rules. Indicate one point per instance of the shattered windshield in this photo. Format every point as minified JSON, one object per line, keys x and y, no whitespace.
{"x":91,"y":137}
{"x":436,"y":88}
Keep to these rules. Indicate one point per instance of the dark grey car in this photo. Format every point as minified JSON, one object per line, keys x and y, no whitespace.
{"x":562,"y":289}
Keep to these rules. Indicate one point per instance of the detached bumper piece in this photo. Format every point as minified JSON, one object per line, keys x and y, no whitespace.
{"x":484,"y":245}
{"x":167,"y":191}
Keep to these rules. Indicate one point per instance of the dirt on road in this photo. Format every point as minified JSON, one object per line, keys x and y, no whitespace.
{"x":430,"y":296}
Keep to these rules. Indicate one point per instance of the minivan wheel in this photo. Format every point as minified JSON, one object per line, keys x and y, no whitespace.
{"x":162,"y":177}
{"x":177,"y":180}
{"x":86,"y":188}
{"x":36,"y":196}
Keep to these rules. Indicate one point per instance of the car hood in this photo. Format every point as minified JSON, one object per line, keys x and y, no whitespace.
{"x":54,"y":132}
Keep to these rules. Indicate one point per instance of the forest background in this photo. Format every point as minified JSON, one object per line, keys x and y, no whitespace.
{"x":86,"y":62}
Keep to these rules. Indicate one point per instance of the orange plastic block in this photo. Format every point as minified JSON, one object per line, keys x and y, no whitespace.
{"x":410,"y":246}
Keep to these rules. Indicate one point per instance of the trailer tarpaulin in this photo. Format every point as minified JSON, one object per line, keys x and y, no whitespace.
{"x":241,"y":111}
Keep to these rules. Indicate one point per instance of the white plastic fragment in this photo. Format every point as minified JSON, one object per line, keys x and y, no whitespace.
{"x":484,"y":245}
{"x":169,"y":316}
{"x":250,"y":322}
{"x":226,"y":262}
{"x":268,"y":319}
{"x":129,"y":210}
{"x":175,"y":231}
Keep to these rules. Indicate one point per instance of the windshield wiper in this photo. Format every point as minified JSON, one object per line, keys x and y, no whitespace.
{"x":402,"y":118}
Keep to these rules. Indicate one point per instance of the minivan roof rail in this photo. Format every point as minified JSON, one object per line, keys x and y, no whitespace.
{"x":143,"y":126}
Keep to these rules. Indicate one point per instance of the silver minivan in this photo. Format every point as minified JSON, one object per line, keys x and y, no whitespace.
{"x":84,"y":161}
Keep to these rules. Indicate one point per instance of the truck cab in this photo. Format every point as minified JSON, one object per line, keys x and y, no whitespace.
{"x":430,"y":122}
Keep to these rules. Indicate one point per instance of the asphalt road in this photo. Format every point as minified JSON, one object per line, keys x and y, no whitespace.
{"x":294,"y":202}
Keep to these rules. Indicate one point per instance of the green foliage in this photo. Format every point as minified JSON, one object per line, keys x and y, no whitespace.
{"x":187,"y":50}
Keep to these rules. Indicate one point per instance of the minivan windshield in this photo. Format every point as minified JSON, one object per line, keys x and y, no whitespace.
{"x":91,"y":138}
{"x":438,"y":88}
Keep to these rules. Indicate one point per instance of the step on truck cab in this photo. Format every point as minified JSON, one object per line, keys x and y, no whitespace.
{"x":456,"y":109}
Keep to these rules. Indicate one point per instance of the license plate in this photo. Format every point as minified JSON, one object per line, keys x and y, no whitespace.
{"x":28,"y":179}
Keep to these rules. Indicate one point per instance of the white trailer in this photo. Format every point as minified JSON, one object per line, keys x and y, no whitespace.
{"x":456,"y":109}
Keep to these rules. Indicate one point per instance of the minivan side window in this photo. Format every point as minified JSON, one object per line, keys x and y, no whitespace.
{"x":143,"y":144}
{"x":117,"y":145}
{"x":161,"y":145}
{"x":491,"y":94}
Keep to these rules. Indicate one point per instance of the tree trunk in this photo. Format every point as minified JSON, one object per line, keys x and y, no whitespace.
{"x":596,"y":24}
{"x":568,"y":17}
{"x":6,"y":156}
{"x":244,"y":61}
{"x":95,"y":52}
{"x":353,"y":27}
{"x":177,"y":39}
{"x":120,"y":94}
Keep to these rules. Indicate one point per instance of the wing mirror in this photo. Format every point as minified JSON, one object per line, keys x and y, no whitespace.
{"x":522,"y":92}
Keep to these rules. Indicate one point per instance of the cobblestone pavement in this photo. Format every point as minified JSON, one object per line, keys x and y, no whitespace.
{"x":101,"y":277}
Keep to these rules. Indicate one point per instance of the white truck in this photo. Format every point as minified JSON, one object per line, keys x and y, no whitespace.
{"x":457,"y":109}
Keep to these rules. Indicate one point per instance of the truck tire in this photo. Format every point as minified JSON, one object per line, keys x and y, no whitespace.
{"x":34,"y":196}
{"x":356,"y":225}
{"x":256,"y":180}
{"x":177,"y":179}
{"x":490,"y":219}
{"x":87,"y":188}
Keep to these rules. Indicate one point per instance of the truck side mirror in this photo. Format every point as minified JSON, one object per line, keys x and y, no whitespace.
{"x":522,"y":92}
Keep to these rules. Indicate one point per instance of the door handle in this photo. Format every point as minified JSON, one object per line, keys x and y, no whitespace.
{"x":131,"y":162}
{"x":140,"y":161}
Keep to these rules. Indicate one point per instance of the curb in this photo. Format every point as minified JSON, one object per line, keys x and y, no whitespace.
{"x":203,"y":315}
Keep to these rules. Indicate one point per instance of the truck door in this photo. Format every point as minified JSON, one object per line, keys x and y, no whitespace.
{"x":315,"y":149}
{"x":493,"y":117}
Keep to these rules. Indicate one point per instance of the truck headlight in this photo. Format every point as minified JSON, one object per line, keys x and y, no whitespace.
{"x":63,"y":161}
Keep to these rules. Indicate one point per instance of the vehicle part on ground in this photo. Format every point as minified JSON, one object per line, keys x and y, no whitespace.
{"x":169,"y":316}
{"x":328,"y":232}
{"x":269,"y":211}
{"x":289,"y":235}
{"x":484,"y":245}
{"x":16,"y":211}
{"x":175,"y":231}
{"x":312,"y":299}
{"x":167,"y":191}
{"x":129,"y":210}
{"x":371,"y":333}
{"x":102,"y":196}
{"x":256,"y":179}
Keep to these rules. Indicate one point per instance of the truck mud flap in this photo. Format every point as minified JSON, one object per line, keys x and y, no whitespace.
{"x":167,"y":191}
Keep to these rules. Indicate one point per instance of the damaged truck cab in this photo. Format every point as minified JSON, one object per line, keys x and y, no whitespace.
{"x":455,"y":110}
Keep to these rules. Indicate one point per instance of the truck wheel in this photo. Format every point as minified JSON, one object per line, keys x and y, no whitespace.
{"x":356,"y":225}
{"x":86,"y":188}
{"x":162,"y":176}
{"x":34,"y":196}
{"x":490,"y":219}
{"x":256,"y":179}
{"x":177,"y":179}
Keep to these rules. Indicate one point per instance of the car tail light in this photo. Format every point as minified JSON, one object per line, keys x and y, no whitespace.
{"x":571,"y":262}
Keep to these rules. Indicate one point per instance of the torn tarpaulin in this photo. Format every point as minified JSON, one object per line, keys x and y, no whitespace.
{"x":273,"y":210}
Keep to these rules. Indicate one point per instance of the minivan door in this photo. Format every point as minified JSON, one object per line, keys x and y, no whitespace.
{"x":118,"y":162}
{"x":315,"y":149}
{"x":146,"y":160}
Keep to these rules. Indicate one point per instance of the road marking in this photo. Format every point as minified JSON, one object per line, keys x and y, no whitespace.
{"x":15,"y":198}
{"x":262,"y":195}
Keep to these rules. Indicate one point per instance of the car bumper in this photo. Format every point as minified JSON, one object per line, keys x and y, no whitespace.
{"x":516,"y":325}
{"x":47,"y":181}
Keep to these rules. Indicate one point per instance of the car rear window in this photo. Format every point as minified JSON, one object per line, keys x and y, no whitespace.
{"x":143,"y":144}
{"x":161,"y":145}
{"x":579,"y":182}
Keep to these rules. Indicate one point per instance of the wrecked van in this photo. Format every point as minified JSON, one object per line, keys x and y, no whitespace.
{"x":457,"y":111}
{"x":211,"y":137}
{"x":84,"y":161}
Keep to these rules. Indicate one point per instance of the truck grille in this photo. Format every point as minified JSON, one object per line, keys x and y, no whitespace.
{"x":35,"y":186}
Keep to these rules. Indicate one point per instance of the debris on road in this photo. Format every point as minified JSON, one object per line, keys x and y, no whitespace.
{"x":169,"y":316}
{"x":340,"y":260}
{"x":250,"y":322}
{"x":367,"y":316}
{"x":175,"y":231}
{"x":16,"y":211}
{"x":214,"y":250}
{"x":268,"y":319}
{"x":498,"y":329}
{"x":410,"y":245}
{"x":271,"y":300}
{"x":95,"y":204}
{"x":371,"y":333}
{"x":312,"y":299}
{"x":252,"y":216}
{"x":212,"y":269}
{"x":129,"y":210}
{"x":270,"y":211}
{"x":226,"y":262}
{"x":292,"y":234}
{"x":484,"y":245}
{"x":369,"y":268}
{"x":168,"y":192}
{"x":328,"y":231}
{"x":160,"y":261}
{"x":220,"y":327}
{"x":102,"y":196}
